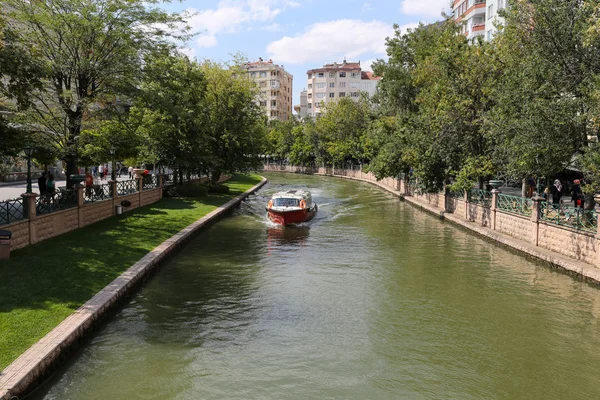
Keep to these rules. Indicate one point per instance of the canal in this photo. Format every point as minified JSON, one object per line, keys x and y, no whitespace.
{"x":373,"y":299}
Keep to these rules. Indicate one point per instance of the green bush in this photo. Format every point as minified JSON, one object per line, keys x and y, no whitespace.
{"x":187,"y":190}
{"x":222,"y":189}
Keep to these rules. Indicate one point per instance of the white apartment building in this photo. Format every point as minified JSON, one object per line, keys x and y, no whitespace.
{"x":275,"y":88}
{"x":478,"y":17}
{"x":334,"y":81}
{"x":302,"y":108}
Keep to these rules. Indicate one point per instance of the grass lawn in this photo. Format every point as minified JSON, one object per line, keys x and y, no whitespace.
{"x":42,"y":284}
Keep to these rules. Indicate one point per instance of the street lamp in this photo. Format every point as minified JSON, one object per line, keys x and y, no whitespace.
{"x":28,"y":150}
{"x":112,"y":156}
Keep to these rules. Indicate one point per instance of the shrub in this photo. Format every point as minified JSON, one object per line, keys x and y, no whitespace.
{"x":187,"y":190}
{"x":222,"y":189}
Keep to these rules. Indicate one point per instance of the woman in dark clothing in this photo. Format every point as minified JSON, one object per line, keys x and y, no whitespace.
{"x":42,"y":183}
{"x":577,"y":194}
{"x":557,"y":191}
{"x":50,"y":185}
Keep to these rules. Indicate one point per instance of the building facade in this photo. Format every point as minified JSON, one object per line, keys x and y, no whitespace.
{"x":275,"y":86}
{"x":302,"y":108}
{"x":478,"y":17}
{"x":334,"y":81}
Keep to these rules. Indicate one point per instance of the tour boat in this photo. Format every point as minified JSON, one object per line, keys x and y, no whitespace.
{"x":291,"y":207}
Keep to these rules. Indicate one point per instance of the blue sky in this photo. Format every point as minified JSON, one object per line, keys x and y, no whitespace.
{"x":301,"y":34}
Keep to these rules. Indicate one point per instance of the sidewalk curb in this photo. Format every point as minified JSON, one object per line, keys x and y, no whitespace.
{"x":34,"y":364}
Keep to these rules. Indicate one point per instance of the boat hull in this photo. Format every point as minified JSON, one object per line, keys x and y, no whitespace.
{"x":292,"y":217}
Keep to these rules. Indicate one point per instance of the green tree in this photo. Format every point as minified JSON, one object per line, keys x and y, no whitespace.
{"x":233,"y":123}
{"x":90,"y":51}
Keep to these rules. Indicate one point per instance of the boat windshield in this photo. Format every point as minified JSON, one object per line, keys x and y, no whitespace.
{"x":283,"y":202}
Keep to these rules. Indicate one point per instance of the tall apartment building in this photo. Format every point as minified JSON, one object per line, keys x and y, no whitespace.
{"x":302,"y":108}
{"x":335,"y":81}
{"x":478,"y":17}
{"x":275,"y":88}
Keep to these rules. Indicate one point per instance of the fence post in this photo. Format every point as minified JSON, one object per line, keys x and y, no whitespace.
{"x":493,"y":208}
{"x":535,"y":218}
{"x":466,"y":204}
{"x":160,"y":186}
{"x":29,"y":204}
{"x":140,"y":189}
{"x":80,"y":203}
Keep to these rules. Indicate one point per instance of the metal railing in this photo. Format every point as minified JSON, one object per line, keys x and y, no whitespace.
{"x":514,"y":204}
{"x":11,"y":211}
{"x":127,"y":187}
{"x":61,"y":200}
{"x":481,"y":197}
{"x":456,"y":194}
{"x":97,"y":193}
{"x":569,"y":216}
{"x":168,"y":180}
{"x":150,"y":182}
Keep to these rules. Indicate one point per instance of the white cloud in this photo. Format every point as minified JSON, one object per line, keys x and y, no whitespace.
{"x":425,"y":8}
{"x":206,"y":41}
{"x":330,"y":41}
{"x":367,"y":6}
{"x":233,"y":15}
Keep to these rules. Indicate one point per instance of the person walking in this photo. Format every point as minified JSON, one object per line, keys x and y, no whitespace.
{"x":101,"y":171}
{"x":42,"y":183}
{"x":89,"y":184}
{"x":130,"y":169}
{"x":50,"y":185}
{"x":557,"y":191}
{"x":577,"y":194}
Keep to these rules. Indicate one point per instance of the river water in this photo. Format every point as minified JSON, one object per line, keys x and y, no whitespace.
{"x":373,"y":299}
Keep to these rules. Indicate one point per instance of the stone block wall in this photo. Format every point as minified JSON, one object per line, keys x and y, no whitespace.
{"x":48,"y":226}
{"x":20,"y":234}
{"x":150,"y":196}
{"x":568,"y":242}
{"x":517,"y":226}
{"x":94,"y":212}
{"x":479,"y":214}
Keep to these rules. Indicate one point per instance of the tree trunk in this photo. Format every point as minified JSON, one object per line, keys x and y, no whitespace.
{"x":215,"y":175}
{"x":71,"y":162}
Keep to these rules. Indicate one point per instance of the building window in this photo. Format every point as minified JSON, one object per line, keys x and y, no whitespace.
{"x":253,"y":74}
{"x":331,"y":95}
{"x":309,"y":105}
{"x":490,"y":11}
{"x":356,"y":74}
{"x":263,"y":103}
{"x":320,"y":85}
{"x":342,"y":84}
{"x":321,"y":75}
{"x":354,"y":94}
{"x":342,"y":74}
{"x":342,"y":94}
{"x":310,"y":95}
{"x":331,"y":84}
{"x":332,"y":74}
{"x":273,"y":103}
{"x":489,"y":35}
{"x":263,"y":74}
{"x":310,"y":85}
{"x":354,"y":84}
{"x":320,"y":95}
{"x":317,"y":105}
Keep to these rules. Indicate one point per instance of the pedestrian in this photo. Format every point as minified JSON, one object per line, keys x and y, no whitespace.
{"x":42,"y":183}
{"x":89,"y":184}
{"x":530,"y":187}
{"x":101,"y":171}
{"x":50,"y":185}
{"x":105,"y":171}
{"x":118,"y":170}
{"x":577,"y":194}
{"x":557,"y":191}
{"x":130,"y":169}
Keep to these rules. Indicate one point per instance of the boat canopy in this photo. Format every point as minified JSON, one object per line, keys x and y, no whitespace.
{"x":291,"y":198}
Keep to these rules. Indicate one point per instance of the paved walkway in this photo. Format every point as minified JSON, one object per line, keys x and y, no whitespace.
{"x":12,"y":190}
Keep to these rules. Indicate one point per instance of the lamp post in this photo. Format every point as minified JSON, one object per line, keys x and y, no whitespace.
{"x":112,"y":156}
{"x":28,"y":150}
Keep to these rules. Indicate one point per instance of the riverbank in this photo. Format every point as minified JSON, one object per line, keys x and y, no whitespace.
{"x":43,"y":284}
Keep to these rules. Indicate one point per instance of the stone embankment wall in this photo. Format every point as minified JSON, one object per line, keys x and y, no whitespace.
{"x":37,"y":228}
{"x":577,"y":245}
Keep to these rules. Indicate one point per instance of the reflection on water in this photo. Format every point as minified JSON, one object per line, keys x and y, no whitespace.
{"x":288,"y":235}
{"x":372,"y":299}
